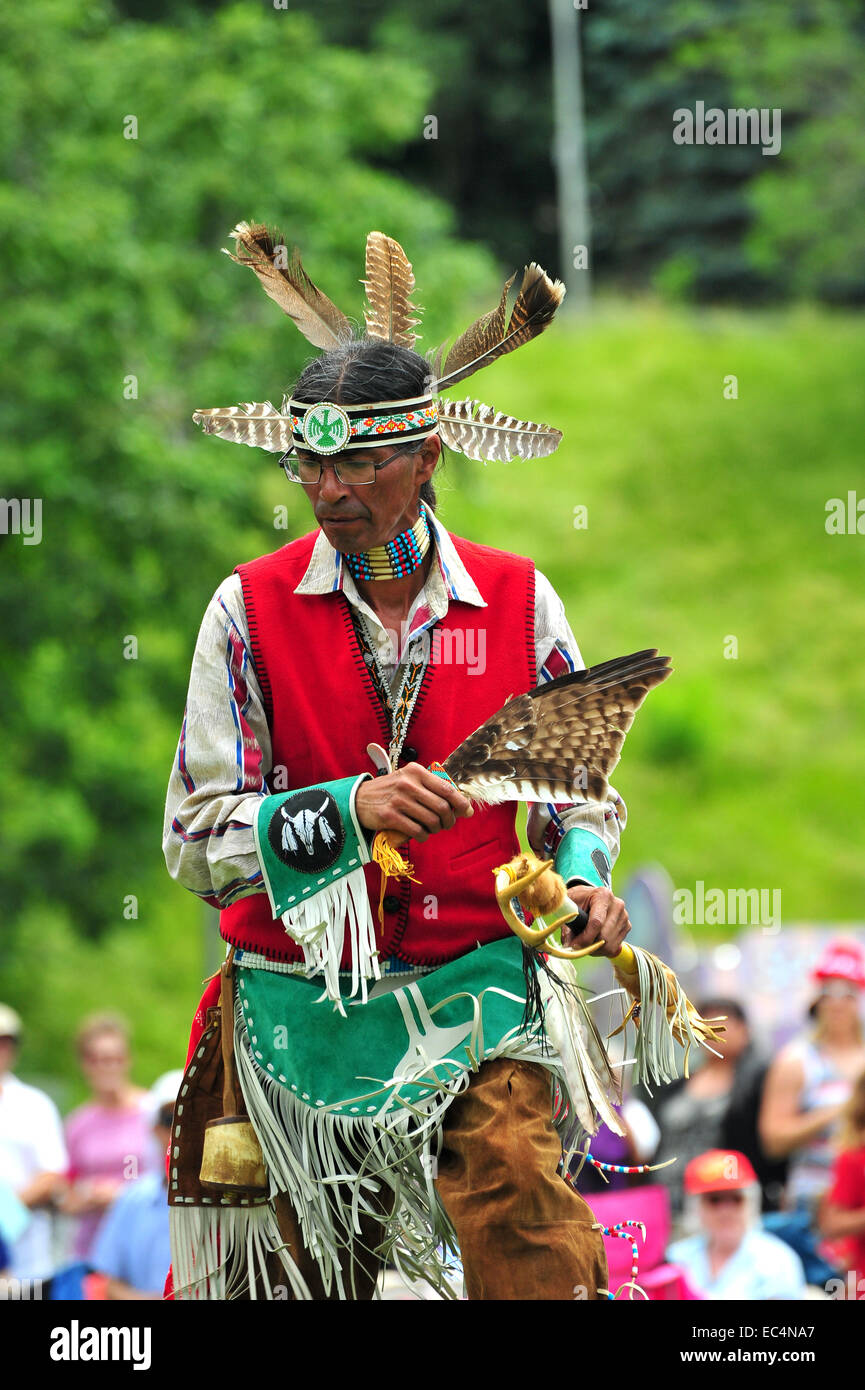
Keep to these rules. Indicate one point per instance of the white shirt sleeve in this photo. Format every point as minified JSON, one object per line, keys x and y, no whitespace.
{"x":222,"y":758}
{"x":46,"y":1134}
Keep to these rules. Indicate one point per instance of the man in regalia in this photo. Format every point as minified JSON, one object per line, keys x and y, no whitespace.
{"x":403,"y":1106}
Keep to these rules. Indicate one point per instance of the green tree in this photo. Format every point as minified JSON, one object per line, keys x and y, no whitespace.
{"x":655,"y":206}
{"x":807,"y":234}
{"x":718,"y":222}
{"x":129,"y":151}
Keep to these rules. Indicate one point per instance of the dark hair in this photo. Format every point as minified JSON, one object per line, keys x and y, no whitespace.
{"x":711,"y":1007}
{"x":368,"y":369}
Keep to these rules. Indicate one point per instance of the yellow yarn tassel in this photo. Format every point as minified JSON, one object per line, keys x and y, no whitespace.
{"x":384,"y":852}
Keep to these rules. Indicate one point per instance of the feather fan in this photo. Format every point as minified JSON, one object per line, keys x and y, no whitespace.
{"x":289,"y":286}
{"x":560,"y":741}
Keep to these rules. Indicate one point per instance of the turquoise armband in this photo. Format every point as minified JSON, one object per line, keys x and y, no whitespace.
{"x":308,"y":840}
{"x":584,"y":856}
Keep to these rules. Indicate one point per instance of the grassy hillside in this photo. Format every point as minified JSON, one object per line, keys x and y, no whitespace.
{"x":706,"y":521}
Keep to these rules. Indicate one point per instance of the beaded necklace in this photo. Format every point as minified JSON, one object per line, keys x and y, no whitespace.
{"x":397,"y":558}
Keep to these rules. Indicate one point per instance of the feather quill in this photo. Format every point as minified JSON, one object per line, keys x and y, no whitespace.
{"x":389,"y":283}
{"x":481,"y":432}
{"x":487,"y":339}
{"x":289,"y":286}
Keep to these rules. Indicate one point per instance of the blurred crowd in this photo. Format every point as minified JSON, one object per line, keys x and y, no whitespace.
{"x":83,"y":1207}
{"x":765,"y":1199}
{"x":766,"y":1196}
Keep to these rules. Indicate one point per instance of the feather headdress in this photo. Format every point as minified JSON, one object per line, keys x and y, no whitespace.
{"x":468,"y":426}
{"x":284,"y":279}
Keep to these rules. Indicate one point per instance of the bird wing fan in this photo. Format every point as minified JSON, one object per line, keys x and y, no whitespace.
{"x":560,"y":741}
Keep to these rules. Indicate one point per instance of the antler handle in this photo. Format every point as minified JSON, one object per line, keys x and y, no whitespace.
{"x":540,"y":890}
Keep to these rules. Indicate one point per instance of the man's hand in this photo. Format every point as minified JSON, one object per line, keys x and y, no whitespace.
{"x":608,"y":920}
{"x":412,"y":801}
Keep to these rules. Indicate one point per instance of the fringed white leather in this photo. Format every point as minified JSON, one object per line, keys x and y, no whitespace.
{"x":664,"y":1007}
{"x":334,"y":1168}
{"x":567,"y":1022}
{"x":318,"y":925}
{"x":221,"y":1252}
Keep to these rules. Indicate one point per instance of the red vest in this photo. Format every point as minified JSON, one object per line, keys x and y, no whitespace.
{"x":323,"y":710}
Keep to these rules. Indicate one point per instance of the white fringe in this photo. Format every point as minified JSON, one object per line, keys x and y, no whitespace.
{"x":573,"y":1035}
{"x":220,"y":1252}
{"x":318,"y":925}
{"x":336,"y":1169}
{"x":656,"y":1050}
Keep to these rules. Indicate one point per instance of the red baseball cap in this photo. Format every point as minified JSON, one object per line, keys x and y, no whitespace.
{"x":842,"y":959}
{"x":718,"y":1170}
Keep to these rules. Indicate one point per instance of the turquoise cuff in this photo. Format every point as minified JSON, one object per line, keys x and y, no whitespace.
{"x":583,"y":856}
{"x":307,"y":840}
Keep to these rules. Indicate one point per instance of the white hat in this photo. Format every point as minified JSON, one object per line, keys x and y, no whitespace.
{"x":163,"y":1093}
{"x":10,"y":1023}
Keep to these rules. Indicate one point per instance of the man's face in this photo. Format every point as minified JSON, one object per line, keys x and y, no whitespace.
{"x":358,"y":518}
{"x":724,"y":1217}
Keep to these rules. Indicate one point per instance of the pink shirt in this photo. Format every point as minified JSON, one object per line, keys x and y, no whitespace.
{"x":106,"y":1143}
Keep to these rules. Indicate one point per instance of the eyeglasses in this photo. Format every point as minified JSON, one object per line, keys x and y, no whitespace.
{"x":715,"y":1199}
{"x":356,"y":471}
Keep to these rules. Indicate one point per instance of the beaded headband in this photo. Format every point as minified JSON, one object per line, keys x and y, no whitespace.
{"x":467,"y":426}
{"x":327,"y":428}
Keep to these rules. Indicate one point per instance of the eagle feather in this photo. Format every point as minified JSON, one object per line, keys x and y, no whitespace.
{"x":389,"y":283}
{"x":487,"y":339}
{"x":481,"y":432}
{"x":284,"y":279}
{"x":258,"y":424}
